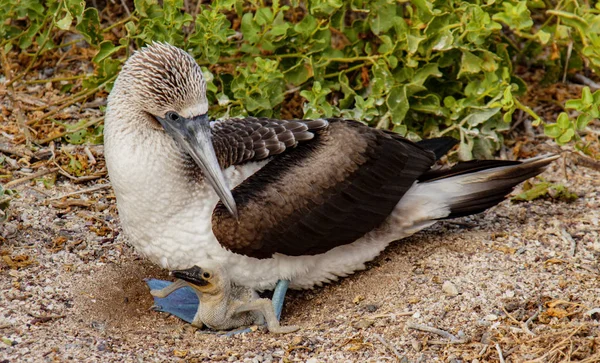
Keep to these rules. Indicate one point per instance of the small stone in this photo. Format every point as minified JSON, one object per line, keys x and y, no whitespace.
{"x":362,"y":324}
{"x":312,"y":360}
{"x":449,"y":288}
{"x":372,"y":308}
{"x":297,"y":340}
{"x":416,"y":345}
{"x":485,"y":338}
{"x":491,"y":317}
{"x":511,"y":305}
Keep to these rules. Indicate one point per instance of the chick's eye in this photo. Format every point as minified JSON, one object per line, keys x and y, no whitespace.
{"x":206,"y":275}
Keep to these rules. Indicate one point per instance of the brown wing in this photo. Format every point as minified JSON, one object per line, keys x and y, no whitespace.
{"x":322,"y":194}
{"x":239,"y":140}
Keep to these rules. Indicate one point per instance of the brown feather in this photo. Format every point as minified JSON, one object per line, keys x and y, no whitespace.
{"x":323,"y":194}
{"x":240,"y":140}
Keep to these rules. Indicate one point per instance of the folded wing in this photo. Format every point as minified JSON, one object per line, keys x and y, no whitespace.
{"x":323,"y":193}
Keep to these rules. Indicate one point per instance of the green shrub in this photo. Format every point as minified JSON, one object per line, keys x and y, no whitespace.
{"x":419,"y":68}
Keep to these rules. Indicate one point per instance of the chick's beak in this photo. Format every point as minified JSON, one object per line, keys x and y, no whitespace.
{"x":192,"y":275}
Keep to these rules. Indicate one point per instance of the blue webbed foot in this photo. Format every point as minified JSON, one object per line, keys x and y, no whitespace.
{"x":183,"y":303}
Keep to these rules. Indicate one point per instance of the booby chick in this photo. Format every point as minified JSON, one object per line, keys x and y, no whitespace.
{"x":224,"y":306}
{"x":312,"y":200}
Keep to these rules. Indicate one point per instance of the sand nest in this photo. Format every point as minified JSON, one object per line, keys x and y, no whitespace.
{"x":519,"y":283}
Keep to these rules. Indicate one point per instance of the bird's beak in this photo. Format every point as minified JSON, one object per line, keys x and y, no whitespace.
{"x":192,"y":275}
{"x":195,"y":135}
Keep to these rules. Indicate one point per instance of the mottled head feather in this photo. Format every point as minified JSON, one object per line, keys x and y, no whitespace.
{"x":161,"y":78}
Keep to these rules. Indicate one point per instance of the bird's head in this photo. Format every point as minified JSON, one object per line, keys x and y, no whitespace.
{"x":210,"y":281}
{"x":161,"y":91}
{"x":161,"y":78}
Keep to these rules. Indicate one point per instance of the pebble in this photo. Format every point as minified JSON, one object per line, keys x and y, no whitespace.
{"x":297,"y":340}
{"x":372,"y":308}
{"x":491,"y":317}
{"x":362,"y":324}
{"x":449,"y":288}
{"x":312,"y":360}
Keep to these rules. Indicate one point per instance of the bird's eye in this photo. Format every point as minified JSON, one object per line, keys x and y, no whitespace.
{"x":206,"y":275}
{"x":172,"y":116}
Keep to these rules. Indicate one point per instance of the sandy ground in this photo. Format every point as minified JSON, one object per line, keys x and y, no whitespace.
{"x":517,"y":283}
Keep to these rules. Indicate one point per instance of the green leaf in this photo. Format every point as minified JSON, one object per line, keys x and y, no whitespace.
{"x":325,"y":7}
{"x":413,"y":42}
{"x":306,"y":26}
{"x":107,"y":49}
{"x":382,"y":16}
{"x":464,"y":152}
{"x":470,"y":63}
{"x":65,"y":22}
{"x":299,"y":74}
{"x":250,"y":29}
{"x":397,"y":101}
{"x":478,"y":117}
{"x":563,"y":121}
{"x":517,"y":16}
{"x":89,"y":27}
{"x":586,"y":96}
{"x":583,"y":120}
{"x":543,"y":36}
{"x":264,"y":16}
{"x":566,"y":136}
{"x":576,"y":104}
{"x":552,"y":130}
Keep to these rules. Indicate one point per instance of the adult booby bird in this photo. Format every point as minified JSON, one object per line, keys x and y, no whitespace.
{"x":312,"y":200}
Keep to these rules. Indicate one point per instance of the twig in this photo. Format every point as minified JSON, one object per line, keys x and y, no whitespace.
{"x":527,"y":110}
{"x":120,"y":22}
{"x":80,"y":179}
{"x":71,"y":203}
{"x":482,"y":351}
{"x":510,"y":316}
{"x":44,"y":319}
{"x":526,"y":324}
{"x":378,"y":316}
{"x":436,"y":331}
{"x":37,"y":54}
{"x":29,"y":177}
{"x":23,"y":153}
{"x":586,"y":81}
{"x":82,"y":191}
{"x":389,"y":347}
{"x":445,"y":342}
{"x":586,"y":161}
{"x":556,"y":346}
{"x":90,"y":156}
{"x":57,"y":79}
{"x":568,"y":239}
{"x":499,"y":353}
{"x":569,"y":51}
{"x":82,"y":127}
{"x":71,"y":100}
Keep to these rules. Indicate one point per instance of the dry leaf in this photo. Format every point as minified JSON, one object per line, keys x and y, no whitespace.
{"x":180,"y":353}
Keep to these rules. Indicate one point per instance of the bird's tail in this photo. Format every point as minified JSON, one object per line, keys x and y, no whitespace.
{"x":474,"y":186}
